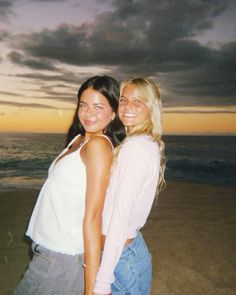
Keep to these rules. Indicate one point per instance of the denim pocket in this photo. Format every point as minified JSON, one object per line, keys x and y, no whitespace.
{"x":117,"y":288}
{"x":133,"y":271}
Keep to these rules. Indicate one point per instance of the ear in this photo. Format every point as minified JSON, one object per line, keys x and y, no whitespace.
{"x":113,"y":116}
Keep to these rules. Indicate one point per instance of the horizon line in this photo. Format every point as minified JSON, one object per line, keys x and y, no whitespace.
{"x":164,"y":134}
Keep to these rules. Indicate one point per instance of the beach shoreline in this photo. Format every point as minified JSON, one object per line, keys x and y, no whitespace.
{"x":190,"y":234}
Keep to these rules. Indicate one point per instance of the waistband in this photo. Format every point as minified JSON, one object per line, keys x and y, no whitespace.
{"x":40,"y":250}
{"x":135,"y":244}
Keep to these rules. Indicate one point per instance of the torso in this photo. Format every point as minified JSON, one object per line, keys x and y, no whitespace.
{"x":57,"y":219}
{"x":72,"y":148}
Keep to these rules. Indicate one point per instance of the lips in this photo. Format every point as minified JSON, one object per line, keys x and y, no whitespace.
{"x":88,"y":122}
{"x":129,"y":115}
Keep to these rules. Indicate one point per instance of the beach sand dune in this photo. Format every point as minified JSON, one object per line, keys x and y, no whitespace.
{"x":191,"y":234}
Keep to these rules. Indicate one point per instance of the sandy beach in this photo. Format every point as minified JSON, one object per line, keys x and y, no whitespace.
{"x":191,"y":234}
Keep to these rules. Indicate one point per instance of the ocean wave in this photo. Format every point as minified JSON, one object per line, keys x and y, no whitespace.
{"x":25,"y":158}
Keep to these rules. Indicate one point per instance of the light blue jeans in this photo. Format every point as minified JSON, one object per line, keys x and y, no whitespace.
{"x":133,"y":272}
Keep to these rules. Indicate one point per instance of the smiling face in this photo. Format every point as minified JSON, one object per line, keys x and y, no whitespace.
{"x":132,"y":108}
{"x":95,"y":112}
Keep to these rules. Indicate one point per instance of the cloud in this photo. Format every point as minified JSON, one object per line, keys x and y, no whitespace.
{"x":3,"y":35}
{"x":199,"y":110}
{"x":214,"y":80}
{"x":68,"y":77}
{"x":135,"y":32}
{"x":49,"y":0}
{"x":5,"y":8}
{"x":37,"y":64}
{"x":30,"y":105}
{"x":49,"y":94}
{"x":152,"y":38}
{"x":11,"y":93}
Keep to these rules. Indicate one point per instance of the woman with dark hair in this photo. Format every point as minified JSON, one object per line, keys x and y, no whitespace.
{"x":108,"y":87}
{"x":66,"y":220}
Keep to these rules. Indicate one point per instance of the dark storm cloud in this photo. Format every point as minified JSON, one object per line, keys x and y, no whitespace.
{"x":48,"y":0}
{"x":214,"y":80}
{"x":136,"y":32}
{"x":5,"y":8}
{"x":37,"y":64}
{"x":64,"y":76}
{"x":153,"y":38}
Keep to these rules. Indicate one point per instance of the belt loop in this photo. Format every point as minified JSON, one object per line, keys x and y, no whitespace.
{"x":34,"y":249}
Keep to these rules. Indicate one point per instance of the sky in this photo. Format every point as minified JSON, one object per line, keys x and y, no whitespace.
{"x":49,"y":47}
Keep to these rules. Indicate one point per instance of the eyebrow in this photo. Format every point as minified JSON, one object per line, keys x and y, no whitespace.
{"x":95,"y":103}
{"x":131,"y":98}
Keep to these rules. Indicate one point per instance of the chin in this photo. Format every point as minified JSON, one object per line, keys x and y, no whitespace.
{"x":127,"y":123}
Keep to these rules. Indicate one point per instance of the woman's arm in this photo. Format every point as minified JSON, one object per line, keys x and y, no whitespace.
{"x":97,"y":158}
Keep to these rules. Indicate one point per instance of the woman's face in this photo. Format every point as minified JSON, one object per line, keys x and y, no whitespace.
{"x":132,"y":109}
{"x":95,"y":112}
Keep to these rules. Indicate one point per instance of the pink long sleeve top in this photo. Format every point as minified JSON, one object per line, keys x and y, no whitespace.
{"x":128,"y":201}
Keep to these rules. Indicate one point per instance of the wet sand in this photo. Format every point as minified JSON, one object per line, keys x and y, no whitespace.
{"x":191,"y":234}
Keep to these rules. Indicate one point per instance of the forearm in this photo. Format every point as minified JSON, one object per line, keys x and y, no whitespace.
{"x":92,"y":252}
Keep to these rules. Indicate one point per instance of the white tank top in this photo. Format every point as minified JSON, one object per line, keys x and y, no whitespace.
{"x":57,"y":219}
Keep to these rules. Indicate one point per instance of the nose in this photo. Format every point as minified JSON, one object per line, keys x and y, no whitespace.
{"x":128,"y":105}
{"x":89,"y":112}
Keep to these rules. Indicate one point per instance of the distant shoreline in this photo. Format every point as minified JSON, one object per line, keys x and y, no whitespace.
{"x":165,"y":134}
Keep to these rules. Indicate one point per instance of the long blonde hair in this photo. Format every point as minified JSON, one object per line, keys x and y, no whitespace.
{"x":148,"y":91}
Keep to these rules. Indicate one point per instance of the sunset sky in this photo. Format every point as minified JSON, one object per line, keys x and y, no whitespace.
{"x":48,"y":47}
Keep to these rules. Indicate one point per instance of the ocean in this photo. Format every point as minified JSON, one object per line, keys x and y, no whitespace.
{"x":25,"y":159}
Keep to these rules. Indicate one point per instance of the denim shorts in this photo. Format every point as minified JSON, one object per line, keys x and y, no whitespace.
{"x":52,"y":273}
{"x":133,"y":272}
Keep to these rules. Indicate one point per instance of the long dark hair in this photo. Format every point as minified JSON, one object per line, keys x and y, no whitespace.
{"x":109,"y":88}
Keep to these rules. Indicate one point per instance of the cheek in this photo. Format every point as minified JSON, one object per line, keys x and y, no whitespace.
{"x":120,"y":109}
{"x":105,"y":117}
{"x":79,"y":114}
{"x":143,"y":114}
{"x":146,"y":114}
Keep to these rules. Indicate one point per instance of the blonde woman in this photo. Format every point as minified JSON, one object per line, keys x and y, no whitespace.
{"x":136,"y":178}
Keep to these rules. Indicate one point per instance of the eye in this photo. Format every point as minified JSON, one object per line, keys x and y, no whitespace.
{"x":122,"y":100}
{"x":137,"y":102}
{"x":98,"y":107}
{"x":81,"y":105}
